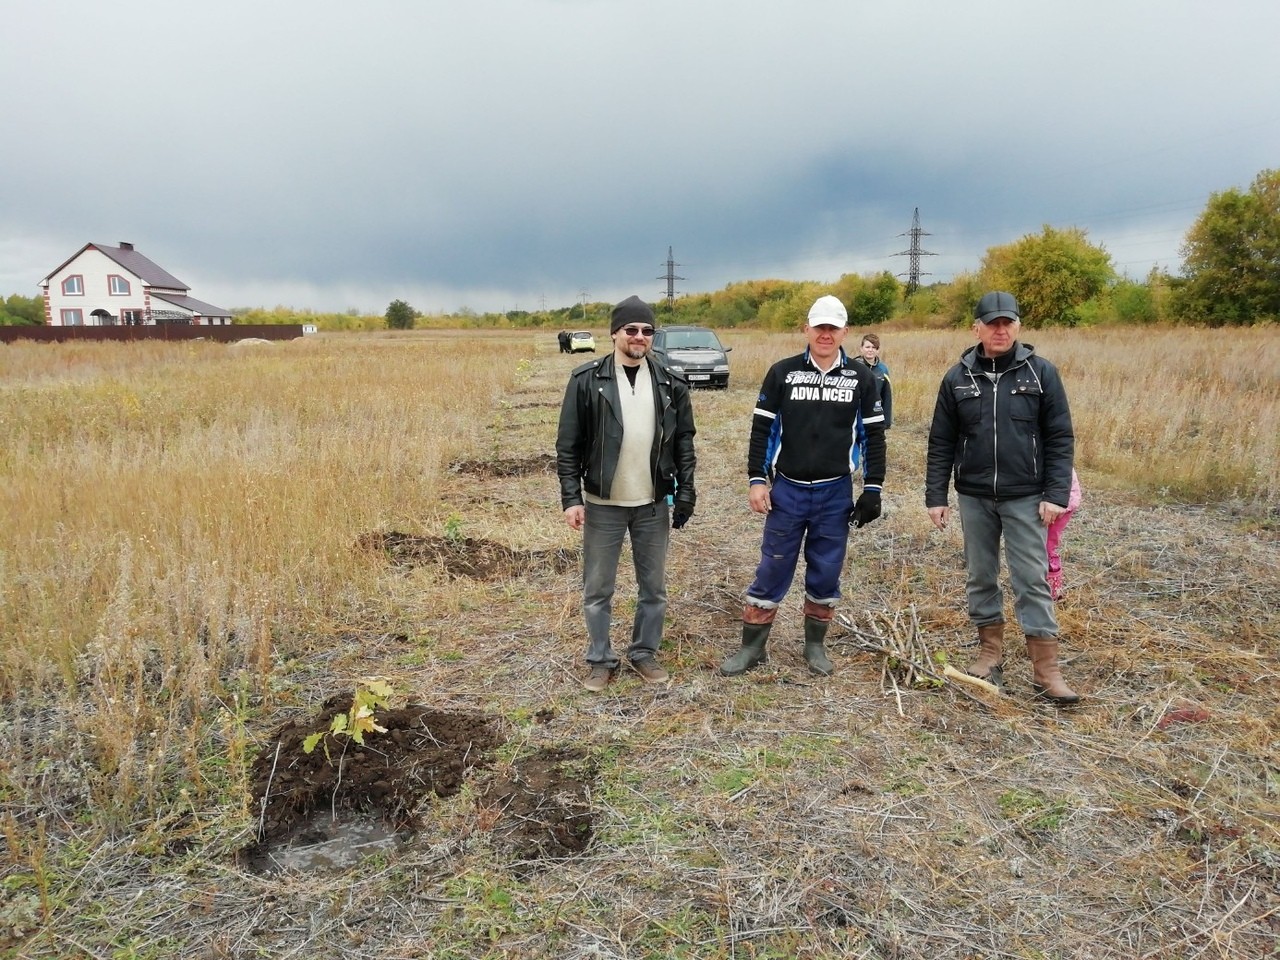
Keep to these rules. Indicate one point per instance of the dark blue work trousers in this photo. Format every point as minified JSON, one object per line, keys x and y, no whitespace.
{"x":815,"y":515}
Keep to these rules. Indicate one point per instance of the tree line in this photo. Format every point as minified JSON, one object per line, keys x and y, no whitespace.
{"x":1230,"y":277}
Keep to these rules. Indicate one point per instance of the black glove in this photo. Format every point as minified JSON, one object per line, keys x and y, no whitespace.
{"x":866,"y":509}
{"x":679,"y":518}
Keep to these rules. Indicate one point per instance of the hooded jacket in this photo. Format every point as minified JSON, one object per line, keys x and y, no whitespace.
{"x":589,"y":438}
{"x":1001,"y":429}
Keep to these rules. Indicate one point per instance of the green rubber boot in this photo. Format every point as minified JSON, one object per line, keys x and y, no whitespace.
{"x":752,"y":654}
{"x":815,"y":651}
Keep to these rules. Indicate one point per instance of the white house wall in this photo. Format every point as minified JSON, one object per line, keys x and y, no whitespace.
{"x":95,"y":267}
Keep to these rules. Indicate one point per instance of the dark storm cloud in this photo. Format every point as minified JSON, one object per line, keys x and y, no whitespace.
{"x":495,"y":153}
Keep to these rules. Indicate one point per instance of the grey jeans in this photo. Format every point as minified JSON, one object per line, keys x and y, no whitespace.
{"x":1017,"y":521}
{"x":602,"y":536}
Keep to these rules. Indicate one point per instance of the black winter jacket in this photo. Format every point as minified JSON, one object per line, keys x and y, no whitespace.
{"x":806,"y":423}
{"x":590,"y":435}
{"x":1002,"y":429}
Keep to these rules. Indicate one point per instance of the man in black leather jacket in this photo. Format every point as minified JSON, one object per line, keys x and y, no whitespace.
{"x":1002,"y":429}
{"x":623,"y":448}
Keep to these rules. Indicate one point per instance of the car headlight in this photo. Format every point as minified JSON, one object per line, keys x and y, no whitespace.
{"x":676,"y":367}
{"x":721,"y":368}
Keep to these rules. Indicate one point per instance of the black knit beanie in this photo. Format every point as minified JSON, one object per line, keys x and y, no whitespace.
{"x":630,"y":310}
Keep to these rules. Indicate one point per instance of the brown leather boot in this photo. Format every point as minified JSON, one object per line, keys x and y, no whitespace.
{"x":1046,"y":677}
{"x":990,"y":663}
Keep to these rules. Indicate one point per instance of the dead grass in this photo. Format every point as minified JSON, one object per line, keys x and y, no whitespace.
{"x":181,"y":575}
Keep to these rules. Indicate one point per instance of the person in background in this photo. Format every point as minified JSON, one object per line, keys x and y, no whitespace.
{"x":624,"y":444}
{"x":563,"y":338}
{"x":1054,"y":537}
{"x":800,"y":461}
{"x":869,"y":356}
{"x":1002,"y":428}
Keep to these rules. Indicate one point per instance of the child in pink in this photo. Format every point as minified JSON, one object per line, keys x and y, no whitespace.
{"x":1055,"y":537}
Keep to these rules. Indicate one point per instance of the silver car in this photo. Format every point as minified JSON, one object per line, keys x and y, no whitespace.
{"x":696,"y":353}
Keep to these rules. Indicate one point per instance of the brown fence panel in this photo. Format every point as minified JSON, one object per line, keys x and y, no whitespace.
{"x":162,"y":331}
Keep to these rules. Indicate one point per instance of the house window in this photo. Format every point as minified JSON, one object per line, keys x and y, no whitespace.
{"x":73,"y":286}
{"x":73,"y":318}
{"x":131,"y":318}
{"x":119,"y":285}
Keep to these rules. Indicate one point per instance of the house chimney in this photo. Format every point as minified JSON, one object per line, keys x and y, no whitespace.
{"x":125,"y":246}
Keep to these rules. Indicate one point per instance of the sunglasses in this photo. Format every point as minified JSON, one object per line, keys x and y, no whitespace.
{"x":638,"y":331}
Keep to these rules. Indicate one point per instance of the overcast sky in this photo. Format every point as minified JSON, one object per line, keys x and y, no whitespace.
{"x":501,"y":154}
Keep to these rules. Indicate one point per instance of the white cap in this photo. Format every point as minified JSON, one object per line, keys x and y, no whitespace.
{"x":828,"y":310}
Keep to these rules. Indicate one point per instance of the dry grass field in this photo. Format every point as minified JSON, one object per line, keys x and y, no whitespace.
{"x":205,"y":548}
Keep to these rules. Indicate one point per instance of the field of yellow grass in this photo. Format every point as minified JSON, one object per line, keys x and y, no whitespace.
{"x":181,"y":572}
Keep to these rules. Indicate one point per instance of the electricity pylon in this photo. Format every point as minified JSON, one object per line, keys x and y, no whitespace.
{"x":913,"y":273}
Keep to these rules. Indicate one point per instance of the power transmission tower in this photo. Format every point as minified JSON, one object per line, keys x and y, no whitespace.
{"x":671,"y":278}
{"x":913,"y":273}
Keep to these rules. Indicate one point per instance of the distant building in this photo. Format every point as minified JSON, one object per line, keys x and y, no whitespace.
{"x":105,"y":286}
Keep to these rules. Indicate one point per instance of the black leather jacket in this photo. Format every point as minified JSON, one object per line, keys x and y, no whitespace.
{"x":590,"y":435}
{"x":1002,"y":428}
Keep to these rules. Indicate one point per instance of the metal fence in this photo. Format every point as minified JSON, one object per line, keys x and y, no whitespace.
{"x":162,"y":331}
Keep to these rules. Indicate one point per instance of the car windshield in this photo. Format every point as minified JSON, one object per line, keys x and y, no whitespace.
{"x":582,"y":336}
{"x":691,"y":340}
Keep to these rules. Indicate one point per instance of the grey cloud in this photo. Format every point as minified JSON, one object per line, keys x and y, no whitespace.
{"x":492,"y":152}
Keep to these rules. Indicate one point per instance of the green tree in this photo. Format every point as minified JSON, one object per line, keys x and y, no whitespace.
{"x":400,"y":315}
{"x":1231,"y":257}
{"x":875,"y":302}
{"x":1052,"y":273}
{"x":1136,"y":303}
{"x":18,"y":310}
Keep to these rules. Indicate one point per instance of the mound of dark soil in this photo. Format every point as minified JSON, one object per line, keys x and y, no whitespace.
{"x":466,"y":556}
{"x":536,"y":809}
{"x":424,"y":753}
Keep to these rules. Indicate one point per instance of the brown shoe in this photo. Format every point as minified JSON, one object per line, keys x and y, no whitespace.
{"x":650,"y":670}
{"x":598,"y":678}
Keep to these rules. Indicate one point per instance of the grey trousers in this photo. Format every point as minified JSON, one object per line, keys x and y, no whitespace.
{"x":603,"y":533}
{"x":1017,"y":521}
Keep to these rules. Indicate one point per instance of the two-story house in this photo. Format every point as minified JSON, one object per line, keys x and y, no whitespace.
{"x":108,"y":286}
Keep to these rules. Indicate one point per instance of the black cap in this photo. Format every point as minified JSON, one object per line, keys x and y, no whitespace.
{"x":996,"y":304}
{"x":630,"y":310}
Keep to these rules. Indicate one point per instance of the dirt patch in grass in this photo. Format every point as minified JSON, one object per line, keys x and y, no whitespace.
{"x":543,"y":463}
{"x":471,"y":557}
{"x":542,"y":806}
{"x":537,"y":807}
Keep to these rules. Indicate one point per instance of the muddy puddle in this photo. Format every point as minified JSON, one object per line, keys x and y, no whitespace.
{"x":325,"y":845}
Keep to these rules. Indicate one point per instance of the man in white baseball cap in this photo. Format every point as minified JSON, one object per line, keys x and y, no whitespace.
{"x":804,"y":436}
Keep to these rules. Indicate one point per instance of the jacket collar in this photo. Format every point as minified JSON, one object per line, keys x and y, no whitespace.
{"x":840,"y":364}
{"x":606,"y":369}
{"x":1022,"y":352}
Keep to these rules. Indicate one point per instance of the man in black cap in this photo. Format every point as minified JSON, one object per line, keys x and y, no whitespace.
{"x":624,"y":445}
{"x":1002,"y":428}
